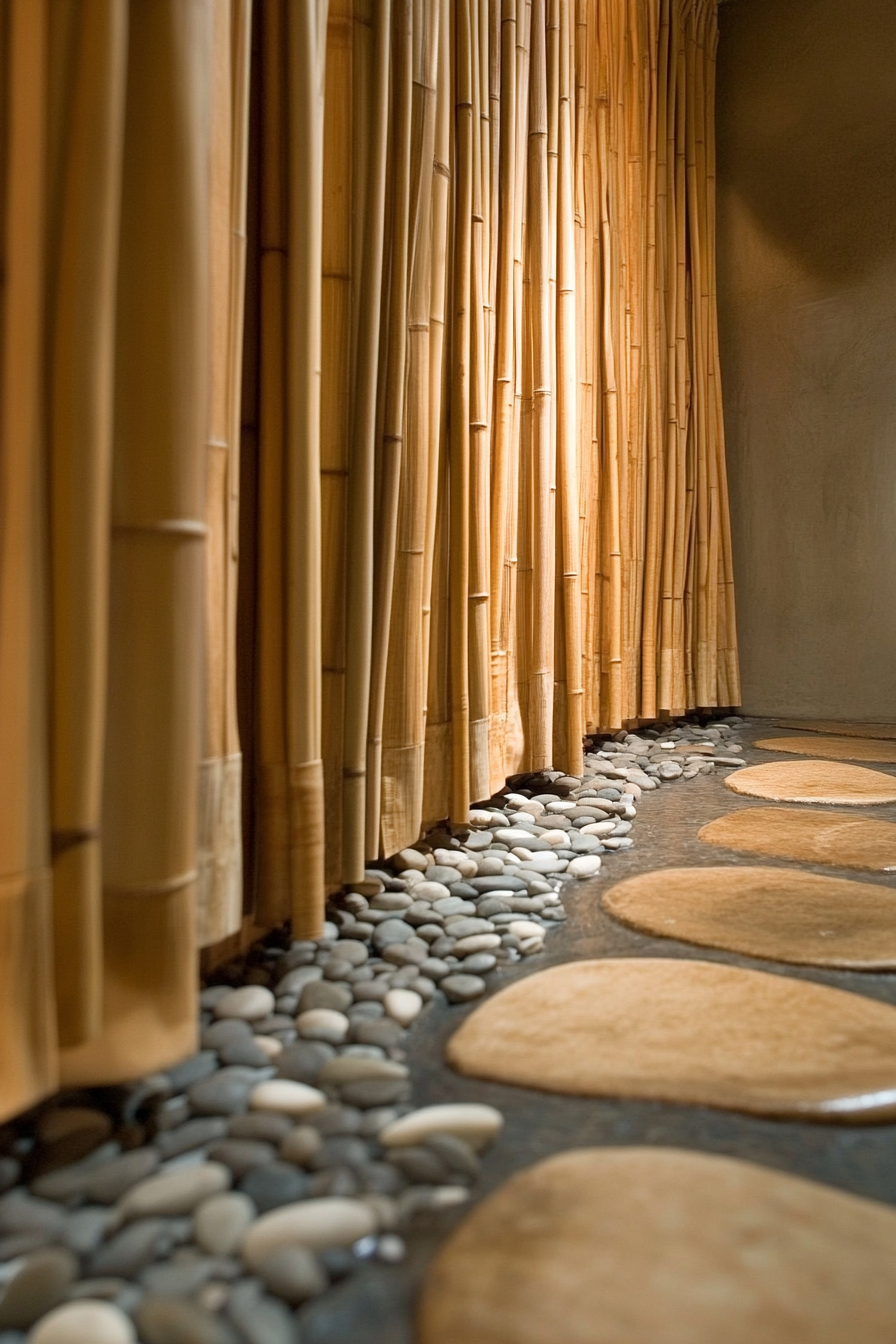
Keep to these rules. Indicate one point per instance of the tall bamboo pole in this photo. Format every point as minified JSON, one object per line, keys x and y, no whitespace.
{"x":27,"y":1042}
{"x":360,"y":525}
{"x":394,"y":398}
{"x":459,"y":550}
{"x":306,"y":28}
{"x":82,"y":315}
{"x":157,"y":554}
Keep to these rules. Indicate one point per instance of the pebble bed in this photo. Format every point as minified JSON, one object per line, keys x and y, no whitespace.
{"x":212,"y":1203}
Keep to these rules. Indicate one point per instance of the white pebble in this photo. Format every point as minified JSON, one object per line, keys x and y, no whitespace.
{"x":268,"y":1045}
{"x":543,"y":861}
{"x":250,"y":1003}
{"x":478,"y":817}
{"x":475,"y":942}
{"x":323,"y":1024}
{"x":174,"y":1193}
{"x":286,"y":1097}
{"x":314,"y":1223}
{"x":526,"y":928}
{"x":84,"y":1322}
{"x":555,"y":837}
{"x":403,"y":1005}
{"x":585,"y":865}
{"x":411,"y":858}
{"x":598,"y":828}
{"x":473,"y":1121}
{"x":220,"y":1222}
{"x":430,"y":891}
{"x":562,"y":805}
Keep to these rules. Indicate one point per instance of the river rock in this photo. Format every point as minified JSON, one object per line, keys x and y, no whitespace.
{"x":223,"y":1093}
{"x":260,"y":1319}
{"x":174,"y":1192}
{"x":584,"y":865}
{"x":462,"y":988}
{"x":324,"y":1024}
{"x":85,"y":1322}
{"x":286,"y":1097}
{"x":38,"y":1285}
{"x":303,"y":1061}
{"x":241,"y":1155}
{"x":293,"y":1273}
{"x":475,"y":1123}
{"x":274,"y":1184}
{"x":314,"y":1224}
{"x":109,"y":1182}
{"x":249,"y":1002}
{"x":404,"y":1005}
{"x":220,"y":1222}
{"x":169,"y":1320}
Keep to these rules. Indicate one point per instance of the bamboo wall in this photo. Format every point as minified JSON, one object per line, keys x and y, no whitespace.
{"x":521,"y":503}
{"x":360,"y":445}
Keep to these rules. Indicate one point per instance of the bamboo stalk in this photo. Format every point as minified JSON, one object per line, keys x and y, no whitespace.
{"x":80,"y":468}
{"x":27,"y":1043}
{"x":306,"y":29}
{"x":360,"y":527}
{"x":157,"y":556}
{"x":393,"y":433}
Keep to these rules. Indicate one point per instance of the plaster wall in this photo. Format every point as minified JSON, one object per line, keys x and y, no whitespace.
{"x":806,"y":124}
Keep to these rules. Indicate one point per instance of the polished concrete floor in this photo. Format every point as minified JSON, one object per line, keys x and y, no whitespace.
{"x":377,"y":1305}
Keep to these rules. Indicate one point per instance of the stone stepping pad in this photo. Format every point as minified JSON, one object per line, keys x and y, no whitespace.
{"x":834,"y":748}
{"x":814,"y":782}
{"x":886,"y":731}
{"x":630,"y":1245}
{"x":809,"y":837}
{"x":774,"y":913}
{"x":695,"y":1032}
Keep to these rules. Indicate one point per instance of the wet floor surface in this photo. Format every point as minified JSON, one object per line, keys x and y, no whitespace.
{"x":377,"y":1305}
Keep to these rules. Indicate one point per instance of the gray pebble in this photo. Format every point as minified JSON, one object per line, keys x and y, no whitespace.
{"x":39,"y":1285}
{"x":193,"y":1134}
{"x":243,"y":1051}
{"x":263,"y":1126}
{"x":274,"y":1184}
{"x":325,"y":994}
{"x":293,"y":1274}
{"x":374,"y":991}
{"x":338,"y":1182}
{"x":192,"y":1069}
{"x":224,"y":1031}
{"x":303,"y":1061}
{"x":136,"y":1245}
{"x":259,"y":1318}
{"x":110,"y":1182}
{"x":370,"y":1092}
{"x":380,"y":1178}
{"x":294,"y":981}
{"x":21,"y":1212}
{"x":10,"y":1170}
{"x":466,"y":928}
{"x":419,"y":1165}
{"x":502,"y":883}
{"x":479,"y":963}
{"x":391,"y":932}
{"x":369,"y":1011}
{"x":457,"y":1155}
{"x":462,"y":988}
{"x":223,"y":1093}
{"x":340,"y":1150}
{"x":86,"y":1228}
{"x":169,"y":1320}
{"x":385,"y":1032}
{"x":434,"y":968}
{"x":463,"y":890}
{"x":338,"y":1120}
{"x":242,"y":1155}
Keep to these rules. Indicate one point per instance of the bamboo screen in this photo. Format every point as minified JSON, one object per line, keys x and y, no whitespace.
{"x":360,"y":445}
{"x":521,"y":502}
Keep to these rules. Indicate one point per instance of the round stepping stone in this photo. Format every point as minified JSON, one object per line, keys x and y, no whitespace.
{"x":886,"y":731}
{"x":809,"y":837}
{"x":835,"y":748}
{"x":613,"y":1245}
{"x":765,"y":912}
{"x":688,"y":1031}
{"x":814,"y":782}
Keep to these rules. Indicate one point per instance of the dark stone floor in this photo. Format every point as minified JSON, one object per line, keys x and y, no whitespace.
{"x":377,"y":1305}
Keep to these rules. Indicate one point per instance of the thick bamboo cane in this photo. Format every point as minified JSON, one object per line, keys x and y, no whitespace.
{"x":567,"y":407}
{"x":271,"y":875}
{"x":361,"y":522}
{"x":306,"y":29}
{"x":28,"y":1040}
{"x":82,"y":312}
{"x":543,"y":500}
{"x":345,"y":157}
{"x":394,"y":399}
{"x":157,"y":555}
{"x":459,"y":551}
{"x":405,"y":705}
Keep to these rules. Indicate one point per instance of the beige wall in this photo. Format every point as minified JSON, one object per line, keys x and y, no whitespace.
{"x":807,"y":289}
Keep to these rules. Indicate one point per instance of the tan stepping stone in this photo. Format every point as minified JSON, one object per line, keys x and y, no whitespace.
{"x":765,"y":912}
{"x":814,"y":782}
{"x":834,"y":748}
{"x":810,"y":837}
{"x":886,"y":731}
{"x":688,"y":1031}
{"x":662,"y":1246}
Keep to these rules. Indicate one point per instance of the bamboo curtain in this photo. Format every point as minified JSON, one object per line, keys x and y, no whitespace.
{"x":360,"y":445}
{"x":521,"y":503}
